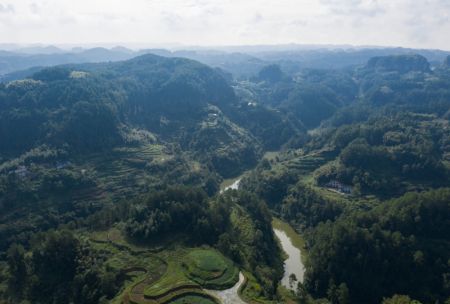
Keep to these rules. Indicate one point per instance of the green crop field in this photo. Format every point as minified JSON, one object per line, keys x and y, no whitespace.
{"x":210,"y":269}
{"x":173,"y":278}
{"x":205,"y":264}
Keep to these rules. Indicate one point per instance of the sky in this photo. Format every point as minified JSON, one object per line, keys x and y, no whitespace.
{"x":407,"y":23}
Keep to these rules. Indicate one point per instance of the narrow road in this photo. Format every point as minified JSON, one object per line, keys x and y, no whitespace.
{"x":231,"y":295}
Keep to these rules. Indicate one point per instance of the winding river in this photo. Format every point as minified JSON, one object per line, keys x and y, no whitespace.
{"x":292,"y":243}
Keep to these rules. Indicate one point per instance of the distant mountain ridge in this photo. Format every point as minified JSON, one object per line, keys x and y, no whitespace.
{"x":13,"y":61}
{"x":242,"y":62}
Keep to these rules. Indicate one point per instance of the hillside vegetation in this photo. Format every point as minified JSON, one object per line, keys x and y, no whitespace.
{"x":110,"y":177}
{"x":369,"y":188}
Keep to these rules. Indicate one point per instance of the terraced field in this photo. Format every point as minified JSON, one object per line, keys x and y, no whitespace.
{"x":188,"y":272}
{"x":140,"y":268}
{"x":121,"y":172}
{"x":173,"y":280}
{"x":306,"y":163}
{"x":173,"y":275}
{"x":125,"y":173}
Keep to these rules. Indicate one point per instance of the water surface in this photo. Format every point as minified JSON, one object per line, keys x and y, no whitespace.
{"x":292,"y":244}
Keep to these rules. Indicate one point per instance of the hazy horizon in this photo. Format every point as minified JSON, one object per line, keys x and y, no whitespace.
{"x":33,"y":48}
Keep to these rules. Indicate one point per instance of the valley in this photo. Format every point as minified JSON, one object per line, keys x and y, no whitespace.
{"x":161,"y":179}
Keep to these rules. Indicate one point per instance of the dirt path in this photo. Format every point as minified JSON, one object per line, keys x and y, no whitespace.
{"x":231,"y":295}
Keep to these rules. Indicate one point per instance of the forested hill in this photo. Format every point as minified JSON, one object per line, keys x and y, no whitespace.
{"x":368,"y":187}
{"x":94,"y":107}
{"x":76,"y":137}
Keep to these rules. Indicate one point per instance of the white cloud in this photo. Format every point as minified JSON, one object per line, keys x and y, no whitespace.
{"x":6,"y":8}
{"x":211,"y":22}
{"x":354,"y":8}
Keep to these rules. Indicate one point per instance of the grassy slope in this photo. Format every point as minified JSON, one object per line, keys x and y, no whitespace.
{"x":210,"y":269}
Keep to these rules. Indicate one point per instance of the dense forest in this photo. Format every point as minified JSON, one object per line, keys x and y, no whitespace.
{"x":107,"y":165}
{"x":388,"y":147}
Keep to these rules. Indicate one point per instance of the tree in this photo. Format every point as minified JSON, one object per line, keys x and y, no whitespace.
{"x":292,"y":279}
{"x":400,"y":299}
{"x":343,"y":295}
{"x":17,"y":269}
{"x":302,"y":293}
{"x":55,"y":258}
